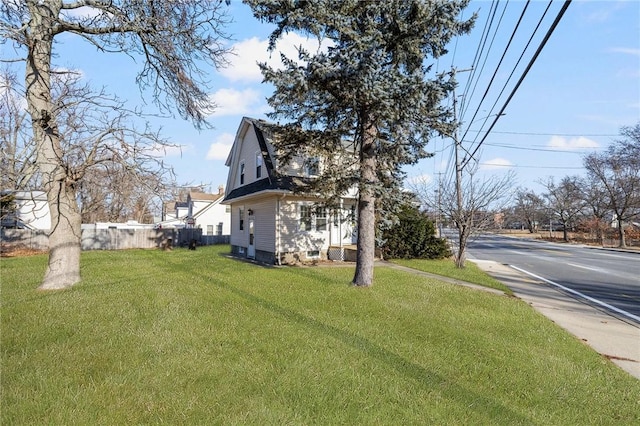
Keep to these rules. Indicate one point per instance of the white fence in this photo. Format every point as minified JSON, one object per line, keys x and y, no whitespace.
{"x":92,"y":239}
{"x":110,"y":239}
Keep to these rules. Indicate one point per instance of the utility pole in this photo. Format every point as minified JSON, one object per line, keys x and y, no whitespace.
{"x":457,"y":144}
{"x":459,"y":219}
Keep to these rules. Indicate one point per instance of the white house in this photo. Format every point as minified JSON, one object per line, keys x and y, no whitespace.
{"x":269,"y":222}
{"x":201,"y":210}
{"x":206,"y":211}
{"x":30,"y":210}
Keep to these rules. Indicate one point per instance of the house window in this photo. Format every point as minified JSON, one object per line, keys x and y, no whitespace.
{"x":305,"y":218}
{"x":241,"y":216}
{"x":209,"y":229}
{"x":313,"y":219}
{"x":241,"y":173}
{"x":219,"y":230}
{"x":227,"y":209}
{"x":313,"y":254}
{"x":258,"y":165}
{"x":321,"y":219}
{"x":312,"y":166}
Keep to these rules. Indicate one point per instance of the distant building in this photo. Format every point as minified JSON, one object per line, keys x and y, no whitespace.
{"x":29,"y":210}
{"x":201,"y":210}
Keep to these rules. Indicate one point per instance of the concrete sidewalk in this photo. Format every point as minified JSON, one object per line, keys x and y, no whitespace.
{"x":614,"y":339}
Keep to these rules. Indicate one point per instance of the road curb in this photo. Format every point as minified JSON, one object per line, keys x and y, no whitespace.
{"x":617,"y":340}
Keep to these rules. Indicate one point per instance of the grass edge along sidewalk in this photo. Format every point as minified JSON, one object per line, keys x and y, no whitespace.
{"x":195,"y":337}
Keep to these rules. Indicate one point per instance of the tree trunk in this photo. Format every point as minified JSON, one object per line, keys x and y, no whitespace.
{"x":365,"y":255}
{"x":461,"y":255}
{"x":623,"y":243}
{"x":63,"y":269}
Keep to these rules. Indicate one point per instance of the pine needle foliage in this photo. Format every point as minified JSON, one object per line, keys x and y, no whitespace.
{"x":368,"y":103}
{"x":413,"y":237}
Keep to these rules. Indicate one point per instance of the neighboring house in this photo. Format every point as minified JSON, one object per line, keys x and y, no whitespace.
{"x":29,"y":211}
{"x":269,"y":222}
{"x":206,"y":211}
{"x":201,"y":210}
{"x":174,"y":214}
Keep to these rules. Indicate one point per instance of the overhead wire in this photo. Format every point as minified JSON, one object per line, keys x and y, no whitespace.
{"x":479,"y":51}
{"x":515,"y":67}
{"x":497,"y":68}
{"x":522,"y":77}
{"x":480,"y":71}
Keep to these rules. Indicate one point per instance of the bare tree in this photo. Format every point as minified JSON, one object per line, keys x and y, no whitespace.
{"x":565,"y":201}
{"x":596,"y":205}
{"x":618,"y":172}
{"x":17,"y":152}
{"x":528,"y":208}
{"x":112,"y":192}
{"x":481,"y":199}
{"x":174,"y":40}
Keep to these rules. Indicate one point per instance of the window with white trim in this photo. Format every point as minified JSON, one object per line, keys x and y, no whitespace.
{"x":312,"y":167}
{"x":321,"y":219}
{"x":305,"y":217}
{"x":313,"y":218}
{"x":258,"y":165}
{"x":241,"y":173}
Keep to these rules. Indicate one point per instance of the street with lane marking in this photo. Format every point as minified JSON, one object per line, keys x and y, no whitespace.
{"x":612,"y":278}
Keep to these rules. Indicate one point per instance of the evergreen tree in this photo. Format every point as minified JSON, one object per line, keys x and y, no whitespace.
{"x":413,"y":236}
{"x":369,"y":103}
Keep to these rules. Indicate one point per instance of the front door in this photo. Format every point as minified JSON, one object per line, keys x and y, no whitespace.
{"x":251,"y":251}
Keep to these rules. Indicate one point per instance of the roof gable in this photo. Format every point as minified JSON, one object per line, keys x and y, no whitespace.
{"x":251,"y":138}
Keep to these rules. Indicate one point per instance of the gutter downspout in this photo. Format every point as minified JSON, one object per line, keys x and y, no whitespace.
{"x":278,"y":229}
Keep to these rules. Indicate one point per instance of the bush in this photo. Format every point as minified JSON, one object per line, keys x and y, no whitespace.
{"x":413,"y":237}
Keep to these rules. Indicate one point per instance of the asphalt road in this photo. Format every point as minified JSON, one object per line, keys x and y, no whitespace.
{"x":611,"y":279}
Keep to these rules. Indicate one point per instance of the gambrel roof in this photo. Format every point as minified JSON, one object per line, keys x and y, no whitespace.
{"x":271,"y":182}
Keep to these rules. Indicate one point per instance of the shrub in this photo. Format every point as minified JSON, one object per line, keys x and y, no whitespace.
{"x":413,"y":236}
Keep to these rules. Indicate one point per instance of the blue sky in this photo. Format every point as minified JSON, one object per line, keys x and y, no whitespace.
{"x":582,"y":88}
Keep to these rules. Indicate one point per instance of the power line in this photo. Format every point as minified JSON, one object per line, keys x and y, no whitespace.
{"x":524,"y":74}
{"x":557,"y":150}
{"x":504,"y":54}
{"x":530,"y":167}
{"x":504,"y":87}
{"x":548,"y":134}
{"x":474,"y":64}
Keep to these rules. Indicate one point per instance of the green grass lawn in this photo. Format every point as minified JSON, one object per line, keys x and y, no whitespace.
{"x":446,"y":267}
{"x":192,"y":337}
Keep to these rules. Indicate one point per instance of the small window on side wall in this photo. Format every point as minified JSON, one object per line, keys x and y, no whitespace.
{"x":241,"y":218}
{"x":312,"y":167}
{"x":305,"y":218}
{"x":321,"y":219}
{"x":258,"y":165}
{"x":241,"y":173}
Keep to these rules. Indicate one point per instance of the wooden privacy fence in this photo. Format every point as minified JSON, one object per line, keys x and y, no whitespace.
{"x":109,"y":239}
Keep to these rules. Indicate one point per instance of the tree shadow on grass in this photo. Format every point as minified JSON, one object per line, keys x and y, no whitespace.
{"x":429,"y":380}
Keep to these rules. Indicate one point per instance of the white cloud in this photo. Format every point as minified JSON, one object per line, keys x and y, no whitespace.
{"x":237,"y":102}
{"x":563,"y":144}
{"x":243,"y":64}
{"x":496,"y":163}
{"x":84,"y":12}
{"x":626,"y":50}
{"x":219,"y":149}
{"x":162,"y":151}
